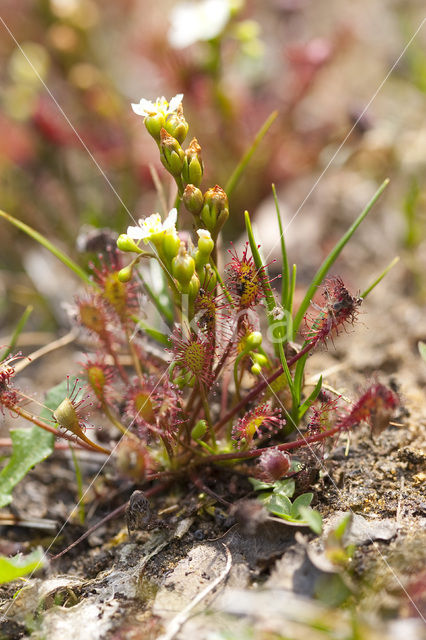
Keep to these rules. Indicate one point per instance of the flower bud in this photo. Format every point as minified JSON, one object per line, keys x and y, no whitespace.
{"x":205,"y":242}
{"x":176,"y":125}
{"x":193,"y":199}
{"x":154,"y":124}
{"x":273,"y":464}
{"x":192,"y":171}
{"x":256,"y":369}
{"x":194,"y":287}
{"x":205,"y":247}
{"x":199,"y":430}
{"x":172,"y":155}
{"x":125,"y":274}
{"x":259,"y":359}
{"x":253,"y":340}
{"x":170,"y":245}
{"x":215,"y":211}
{"x":125,"y":243}
{"x":183,"y":267}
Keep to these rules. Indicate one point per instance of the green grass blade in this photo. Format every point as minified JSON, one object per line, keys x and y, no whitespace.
{"x":165,"y":312}
{"x":17,"y":332}
{"x":266,"y":286}
{"x":153,"y":333}
{"x":291,"y":292}
{"x":285,"y":276}
{"x":298,"y":374}
{"x":287,"y":374}
{"x":365,"y":293}
{"x":332,"y":256}
{"x":38,"y":237}
{"x":310,"y":399}
{"x":239,"y":169}
{"x":267,"y":289}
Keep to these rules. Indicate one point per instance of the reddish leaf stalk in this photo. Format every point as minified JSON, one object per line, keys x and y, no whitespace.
{"x":46,"y":427}
{"x":260,"y":387}
{"x":255,"y":453}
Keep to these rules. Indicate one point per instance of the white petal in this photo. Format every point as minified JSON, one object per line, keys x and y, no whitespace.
{"x":171,"y":219}
{"x":144,"y":108}
{"x":175,"y":102}
{"x":204,"y":233}
{"x":139,"y":110}
{"x":151,"y":224}
{"x":192,"y":21}
{"x":135,"y":233}
{"x":184,"y":26}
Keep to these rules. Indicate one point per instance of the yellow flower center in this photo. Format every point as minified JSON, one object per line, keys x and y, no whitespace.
{"x":92,"y":318}
{"x":115,"y":292}
{"x":144,"y":407}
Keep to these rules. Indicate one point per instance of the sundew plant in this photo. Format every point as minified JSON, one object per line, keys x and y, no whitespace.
{"x":220,"y":380}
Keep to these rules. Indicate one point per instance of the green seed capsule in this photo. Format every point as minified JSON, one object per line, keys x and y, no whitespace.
{"x":199,"y":430}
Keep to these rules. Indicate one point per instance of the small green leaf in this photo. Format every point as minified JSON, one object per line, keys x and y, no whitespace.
{"x":302,"y":501}
{"x":312,"y":518}
{"x":259,"y":485}
{"x":279,"y":505}
{"x":18,"y":566}
{"x":265,"y":497}
{"x":285,"y":487}
{"x":29,"y":447}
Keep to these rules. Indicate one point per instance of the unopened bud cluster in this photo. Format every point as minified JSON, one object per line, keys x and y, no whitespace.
{"x":189,"y":266}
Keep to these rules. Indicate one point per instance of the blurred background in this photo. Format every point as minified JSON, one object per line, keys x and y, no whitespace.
{"x":74,"y":157}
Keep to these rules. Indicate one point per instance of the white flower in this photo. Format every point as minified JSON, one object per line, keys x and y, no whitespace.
{"x":192,"y":21}
{"x":161,"y":106}
{"x":204,"y":234}
{"x":151,"y":226}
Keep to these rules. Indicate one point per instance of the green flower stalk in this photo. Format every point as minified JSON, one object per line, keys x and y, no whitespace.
{"x":176,"y":425}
